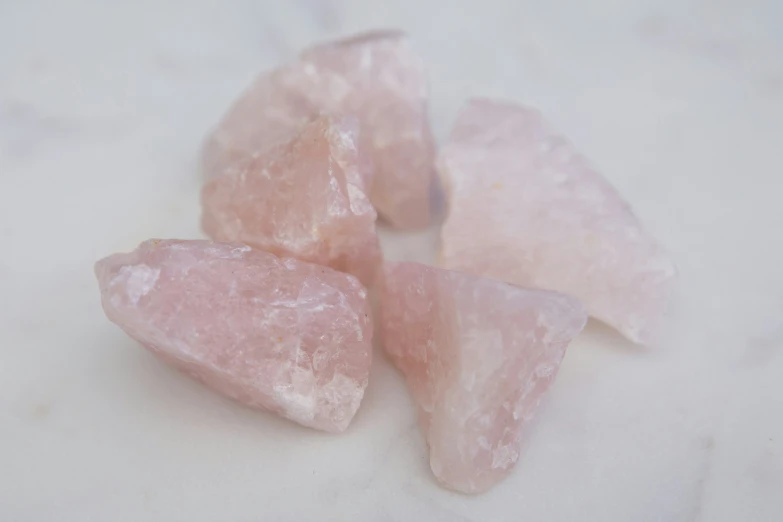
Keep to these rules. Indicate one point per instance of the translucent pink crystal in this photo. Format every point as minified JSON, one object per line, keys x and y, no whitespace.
{"x":524,"y":207}
{"x":277,"y":334}
{"x":375,"y":76}
{"x":302,"y":199}
{"x":478,"y":355}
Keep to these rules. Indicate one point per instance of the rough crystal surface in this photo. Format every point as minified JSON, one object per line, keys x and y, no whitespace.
{"x":304,"y":199}
{"x":478,"y":355}
{"x":375,"y":76}
{"x":278,"y":334}
{"x":526,"y":208}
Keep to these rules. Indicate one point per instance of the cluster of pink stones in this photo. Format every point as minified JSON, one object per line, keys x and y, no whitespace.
{"x":275,"y":313}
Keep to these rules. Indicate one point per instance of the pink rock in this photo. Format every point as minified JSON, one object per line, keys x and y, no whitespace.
{"x":304,"y":199}
{"x":375,"y":76}
{"x":277,"y":334}
{"x":478,"y":355}
{"x":524,"y":207}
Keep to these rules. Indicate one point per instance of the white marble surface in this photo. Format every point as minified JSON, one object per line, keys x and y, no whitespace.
{"x":102,"y":106}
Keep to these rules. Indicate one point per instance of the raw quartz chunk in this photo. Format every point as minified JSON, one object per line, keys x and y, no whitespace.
{"x":302,"y":199}
{"x":375,"y":76}
{"x":524,"y":207}
{"x":276,"y":334}
{"x":478,"y":355}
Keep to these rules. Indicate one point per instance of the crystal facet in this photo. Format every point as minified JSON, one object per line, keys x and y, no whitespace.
{"x":302,"y":199}
{"x":478,"y":355}
{"x":278,"y":334}
{"x":524,"y":207}
{"x":375,"y":76}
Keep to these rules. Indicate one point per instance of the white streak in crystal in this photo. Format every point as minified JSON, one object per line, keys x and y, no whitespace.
{"x":240,"y":251}
{"x":503,"y":457}
{"x":297,"y":406}
{"x":138,"y":280}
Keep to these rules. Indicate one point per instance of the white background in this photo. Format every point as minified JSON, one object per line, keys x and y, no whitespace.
{"x":102,"y":109}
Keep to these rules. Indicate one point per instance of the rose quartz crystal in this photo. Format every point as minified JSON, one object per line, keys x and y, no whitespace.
{"x":375,"y":76}
{"x":302,"y":199}
{"x":277,"y":334}
{"x":524,"y":207}
{"x":478,"y":355}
